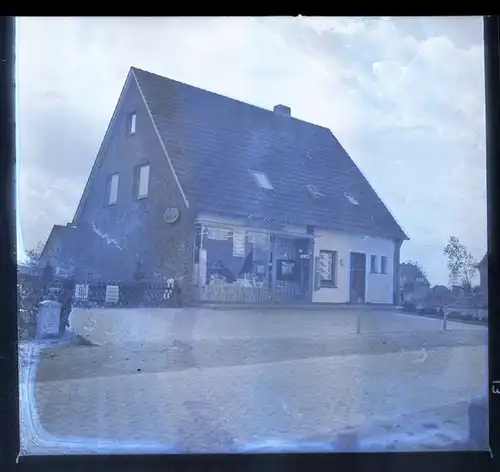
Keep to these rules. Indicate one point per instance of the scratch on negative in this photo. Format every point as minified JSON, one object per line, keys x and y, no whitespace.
{"x":106,"y":237}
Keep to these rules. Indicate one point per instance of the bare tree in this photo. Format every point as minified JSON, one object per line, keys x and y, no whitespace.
{"x":34,"y":254}
{"x":461,"y":265}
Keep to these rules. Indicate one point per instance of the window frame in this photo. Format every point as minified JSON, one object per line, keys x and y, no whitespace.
{"x":109,"y":187}
{"x":137,"y":180}
{"x":384,"y":264}
{"x":329,"y":283}
{"x":131,"y":124}
{"x":256,"y":173}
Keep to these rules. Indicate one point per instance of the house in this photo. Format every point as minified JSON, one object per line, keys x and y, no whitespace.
{"x":483,"y":277}
{"x":440,"y":295}
{"x":245,"y":203}
{"x":25,"y":271}
{"x":413,"y":282}
{"x":59,"y":250}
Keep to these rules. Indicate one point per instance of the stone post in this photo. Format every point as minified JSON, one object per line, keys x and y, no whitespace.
{"x":48,"y":319}
{"x":358,"y":322}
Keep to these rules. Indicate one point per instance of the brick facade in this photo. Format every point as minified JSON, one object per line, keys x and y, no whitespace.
{"x":113,"y":238}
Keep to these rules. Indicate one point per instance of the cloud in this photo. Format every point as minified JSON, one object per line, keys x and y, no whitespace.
{"x":404,"y":97}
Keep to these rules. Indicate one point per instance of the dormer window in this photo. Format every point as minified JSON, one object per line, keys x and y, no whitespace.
{"x":131,"y":124}
{"x":315,"y":192}
{"x":262,"y":180}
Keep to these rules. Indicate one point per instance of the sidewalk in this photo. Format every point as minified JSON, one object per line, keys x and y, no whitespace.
{"x":480,"y":322}
{"x":58,"y":362}
{"x":225,"y":407}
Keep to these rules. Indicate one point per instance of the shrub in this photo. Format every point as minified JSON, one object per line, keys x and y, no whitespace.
{"x":429,"y":310}
{"x":28,"y":298}
{"x":409,"y":307}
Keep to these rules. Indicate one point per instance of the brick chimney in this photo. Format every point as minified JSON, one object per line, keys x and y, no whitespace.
{"x":282,"y":110}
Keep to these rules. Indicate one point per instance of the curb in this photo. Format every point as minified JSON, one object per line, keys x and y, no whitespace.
{"x":295,"y":307}
{"x":448,"y":318}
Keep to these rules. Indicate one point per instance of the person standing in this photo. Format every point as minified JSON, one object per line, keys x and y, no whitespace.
{"x":66,"y":300}
{"x":47,"y":277}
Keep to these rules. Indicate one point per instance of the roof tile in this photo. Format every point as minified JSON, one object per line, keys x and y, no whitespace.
{"x":214,"y":140}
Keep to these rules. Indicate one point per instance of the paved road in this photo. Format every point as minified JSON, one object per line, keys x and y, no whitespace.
{"x":160,"y":325}
{"x":309,"y":383}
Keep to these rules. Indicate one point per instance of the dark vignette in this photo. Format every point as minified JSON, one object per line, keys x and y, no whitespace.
{"x":492,"y":89}
{"x":9,"y":443}
{"x":9,"y":403}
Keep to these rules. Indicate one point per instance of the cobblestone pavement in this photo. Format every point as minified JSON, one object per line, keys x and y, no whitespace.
{"x":151,"y":325}
{"x":140,"y":357}
{"x":224,"y":407}
{"x":262,"y":381}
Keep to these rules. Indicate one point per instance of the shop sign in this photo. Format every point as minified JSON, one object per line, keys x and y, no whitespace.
{"x":266,"y":223}
{"x":239,"y":243}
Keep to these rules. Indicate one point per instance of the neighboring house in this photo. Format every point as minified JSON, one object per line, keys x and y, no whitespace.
{"x":26,"y":271}
{"x":440,"y":295}
{"x":483,"y":277}
{"x":247,"y":204}
{"x":413,"y":282}
{"x":60,"y":250}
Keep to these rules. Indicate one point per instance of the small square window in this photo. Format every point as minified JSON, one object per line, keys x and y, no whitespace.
{"x":383,"y":264}
{"x":262,"y":180}
{"x":112,"y":190}
{"x":373,"y":265}
{"x":131,"y":124}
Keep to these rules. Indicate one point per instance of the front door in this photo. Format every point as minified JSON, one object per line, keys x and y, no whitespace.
{"x":303,"y":256}
{"x":291,"y":268}
{"x":357,"y":277}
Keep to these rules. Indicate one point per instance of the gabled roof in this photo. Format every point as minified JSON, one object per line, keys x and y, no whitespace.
{"x":62,"y":236}
{"x":411,"y":271}
{"x":213,"y":142}
{"x":440,"y":288}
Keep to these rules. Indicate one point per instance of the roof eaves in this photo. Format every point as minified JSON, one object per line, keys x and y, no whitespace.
{"x":104,"y":142}
{"x":176,"y":178}
{"x":404,"y":235}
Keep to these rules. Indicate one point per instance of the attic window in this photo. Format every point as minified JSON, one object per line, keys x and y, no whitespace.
{"x":262,"y":180}
{"x":351,"y":199}
{"x":309,"y":154}
{"x":142,"y":181}
{"x":112,"y":189}
{"x":131,"y":124}
{"x":314,"y":190}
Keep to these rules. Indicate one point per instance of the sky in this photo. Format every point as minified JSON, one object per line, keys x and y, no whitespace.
{"x":404,"y":96}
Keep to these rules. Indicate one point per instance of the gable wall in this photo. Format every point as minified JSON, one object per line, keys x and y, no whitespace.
{"x":112,"y":238}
